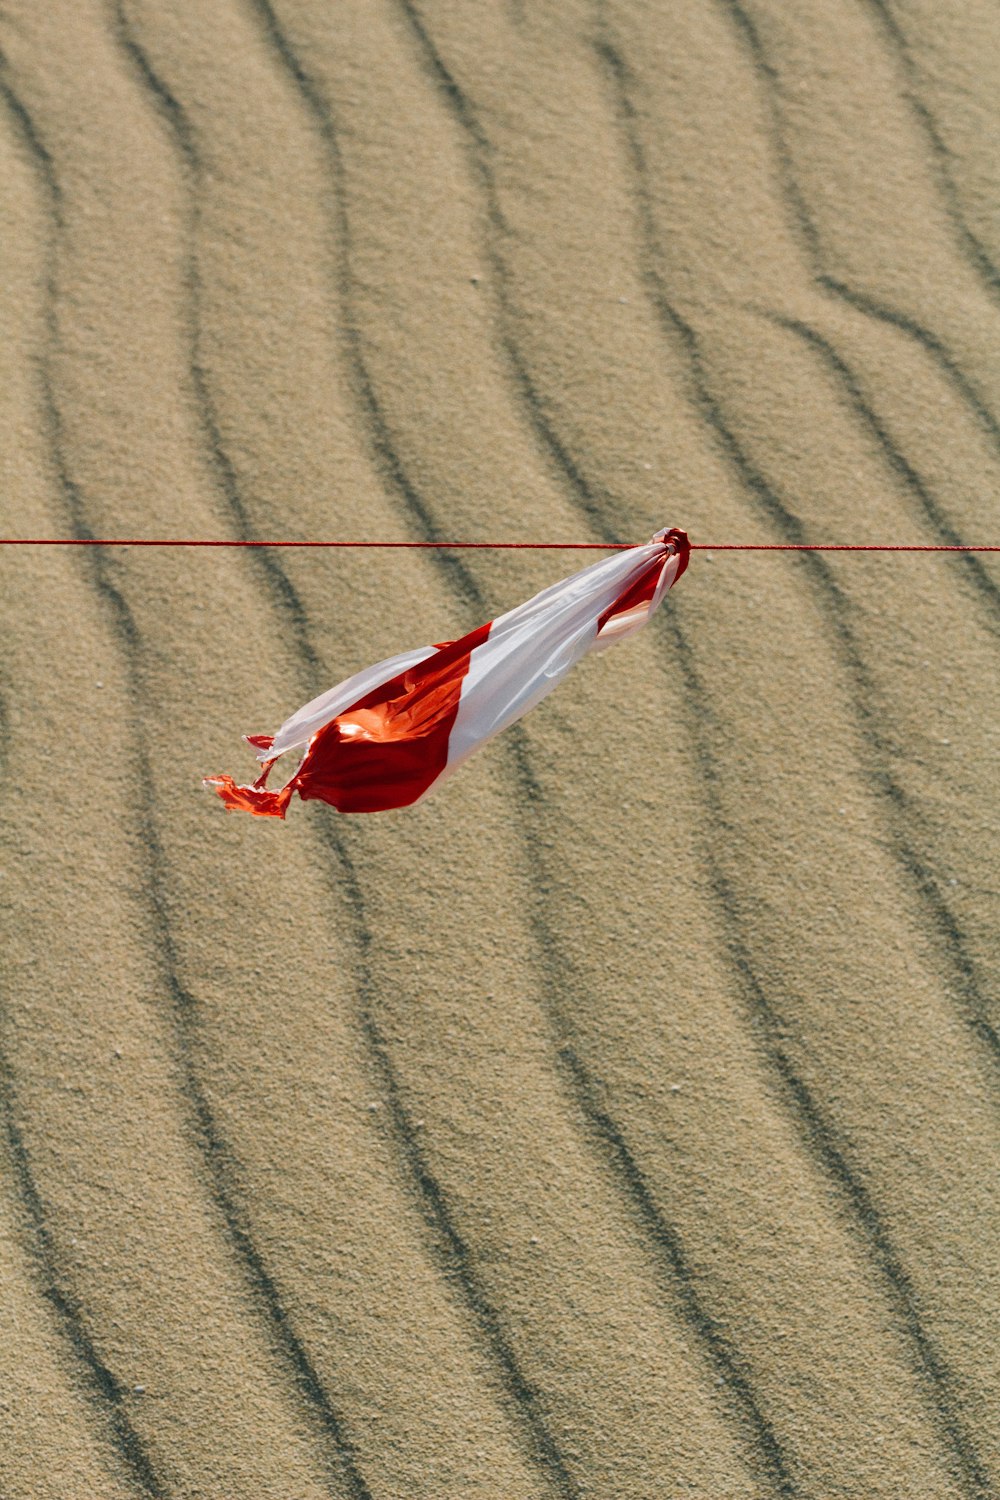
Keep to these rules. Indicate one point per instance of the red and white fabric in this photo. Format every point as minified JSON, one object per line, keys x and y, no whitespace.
{"x":387,"y":735}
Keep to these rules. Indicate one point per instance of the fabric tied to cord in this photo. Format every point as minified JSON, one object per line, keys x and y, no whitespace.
{"x":384,"y":737}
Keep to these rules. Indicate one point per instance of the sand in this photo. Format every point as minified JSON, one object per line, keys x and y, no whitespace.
{"x":621,"y":1121}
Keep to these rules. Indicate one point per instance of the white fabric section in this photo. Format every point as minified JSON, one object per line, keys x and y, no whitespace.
{"x":530,"y":650}
{"x":303,"y":724}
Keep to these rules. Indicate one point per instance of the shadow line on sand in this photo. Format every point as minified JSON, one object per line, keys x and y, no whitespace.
{"x":104,"y":1392}
{"x":201,"y":1127}
{"x":580,"y":1088}
{"x":971,"y":245}
{"x":801,"y":218}
{"x":830,"y":597}
{"x":449,"y":1250}
{"x":974,"y":571}
{"x":817,"y":1129}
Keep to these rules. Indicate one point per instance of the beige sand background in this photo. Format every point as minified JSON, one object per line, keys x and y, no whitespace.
{"x":621,"y":1122}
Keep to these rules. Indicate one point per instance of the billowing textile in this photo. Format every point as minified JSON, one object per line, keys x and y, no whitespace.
{"x":387,"y":735}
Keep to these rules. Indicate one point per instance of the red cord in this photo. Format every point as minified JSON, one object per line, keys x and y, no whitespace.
{"x":835,"y":547}
{"x":18,"y":541}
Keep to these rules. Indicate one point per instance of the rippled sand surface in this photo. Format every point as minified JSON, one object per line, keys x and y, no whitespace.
{"x":621,"y":1122}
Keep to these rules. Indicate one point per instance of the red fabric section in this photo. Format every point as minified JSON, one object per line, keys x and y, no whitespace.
{"x":389,"y":747}
{"x":251,"y":799}
{"x":382,"y":752}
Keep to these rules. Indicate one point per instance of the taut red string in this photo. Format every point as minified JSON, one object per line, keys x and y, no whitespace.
{"x":115,"y":541}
